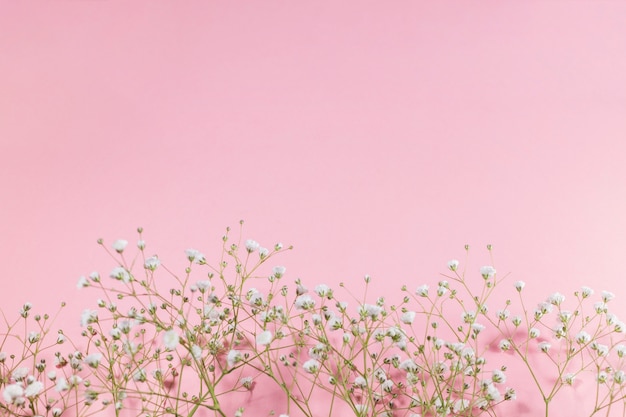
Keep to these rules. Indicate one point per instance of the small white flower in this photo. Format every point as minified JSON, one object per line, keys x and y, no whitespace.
{"x":602,"y":377}
{"x":519,"y":285}
{"x":544,"y":346}
{"x":120,"y":274}
{"x":119,"y":245}
{"x":619,"y":377}
{"x":441,"y":290}
{"x":233,"y":357}
{"x":20,"y":373}
{"x":88,"y":317}
{"x":93,"y":359}
{"x":487,"y":271}
{"x":304,"y":302}
{"x":556,"y":299}
{"x":504,"y":345}
{"x":33,"y":389}
{"x":453,"y":265}
{"x":311,"y":366}
{"x":600,"y":307}
{"x":13,"y":394}
{"x":203,"y":285}
{"x":263,"y":252}
{"x":460,"y":405}
{"x":252,"y":245}
{"x":583,"y":337}
{"x":534,"y":332}
{"x":141,"y":244}
{"x":359,"y":382}
{"x":409,"y":366}
{"x":62,"y":385}
{"x":195,"y":256}
{"x":370,"y":310}
{"x":152,"y":263}
{"x":264,"y":338}
{"x":279,"y":271}
{"x":82,"y":282}
{"x":498,"y":377}
{"x":408,"y":317}
{"x":171,"y":339}
{"x":323,"y":290}
{"x":569,"y":378}
{"x":503,"y":314}
{"x":334,"y":323}
{"x":196,"y":352}
{"x":607,"y":296}
{"x":422,"y":290}
{"x":586,"y":292}
{"x":621,"y":350}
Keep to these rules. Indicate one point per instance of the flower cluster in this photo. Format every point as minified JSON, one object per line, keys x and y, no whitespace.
{"x":207,"y":341}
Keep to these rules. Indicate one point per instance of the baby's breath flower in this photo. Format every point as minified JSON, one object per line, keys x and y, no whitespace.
{"x":621,"y":350}
{"x":141,"y":244}
{"x":607,"y":296}
{"x":619,"y":377}
{"x":569,"y":378}
{"x":600,"y":307}
{"x":359,"y":382}
{"x":264,"y":338}
{"x":252,"y":245}
{"x":13,"y":394}
{"x":487,"y":271}
{"x":586,"y":292}
{"x":544,"y":346}
{"x":422,"y":291}
{"x":152,"y":263}
{"x":195,"y":256}
{"x":453,"y":265}
{"x":556,"y":299}
{"x":519,"y":285}
{"x":263,"y":253}
{"x":88,"y":317}
{"x":304,"y":302}
{"x":196,"y":352}
{"x":583,"y":338}
{"x":233,"y":357}
{"x":311,"y":366}
{"x":503,"y":314}
{"x":171,"y":339}
{"x":120,"y":274}
{"x":370,"y":310}
{"x":279,"y":271}
{"x":323,"y":291}
{"x":498,"y":377}
{"x":82,"y":282}
{"x":119,"y":245}
{"x":93,"y":359}
{"x":504,"y":345}
{"x":408,"y":317}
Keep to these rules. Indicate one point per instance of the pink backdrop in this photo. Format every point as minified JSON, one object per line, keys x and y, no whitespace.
{"x":376,"y":137}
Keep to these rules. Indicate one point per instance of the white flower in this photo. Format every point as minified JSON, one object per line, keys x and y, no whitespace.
{"x":586,"y":292}
{"x":359,"y":382}
{"x":119,"y":245}
{"x":279,"y":271}
{"x":252,"y":245}
{"x":196,"y":352}
{"x":62,"y":385}
{"x":233,"y":357}
{"x":304,"y":302}
{"x":422,"y":290}
{"x":263,"y":252}
{"x":408,"y":317}
{"x":311,"y":366}
{"x":504,"y":345}
{"x":152,"y":263}
{"x":33,"y":389}
{"x":534,"y":332}
{"x":88,"y":317}
{"x":460,"y":405}
{"x":195,"y":256}
{"x":93,"y":359}
{"x":203,"y":285}
{"x":324,"y":290}
{"x":334,"y":323}
{"x":409,"y":366}
{"x":487,"y":271}
{"x":370,"y":310}
{"x":607,"y":296}
{"x":583,"y":337}
{"x":619,"y":377}
{"x":600,"y":307}
{"x":441,"y":290}
{"x":569,"y":378}
{"x":171,"y":339}
{"x":621,"y":350}
{"x":544,"y":346}
{"x":264,"y":338}
{"x":519,"y":285}
{"x":141,"y":244}
{"x":498,"y":377}
{"x":556,"y":299}
{"x":13,"y":394}
{"x":82,"y":282}
{"x":503,"y":314}
{"x":120,"y":274}
{"x":453,"y":265}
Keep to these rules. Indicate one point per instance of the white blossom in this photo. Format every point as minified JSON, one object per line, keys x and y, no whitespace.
{"x":519,"y":285}
{"x":264,"y":338}
{"x":607,"y":296}
{"x":120,"y":274}
{"x":93,"y":359}
{"x":233,"y":357}
{"x":408,"y":317}
{"x":13,"y":394}
{"x":304,"y":302}
{"x":119,"y":245}
{"x":453,"y":265}
{"x":33,"y":389}
{"x":422,"y":290}
{"x":311,"y":366}
{"x":487,"y":271}
{"x":152,"y":263}
{"x":171,"y":339}
{"x":252,"y":245}
{"x":195,"y":256}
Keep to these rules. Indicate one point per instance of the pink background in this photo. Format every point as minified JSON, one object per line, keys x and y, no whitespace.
{"x":376,"y":137}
